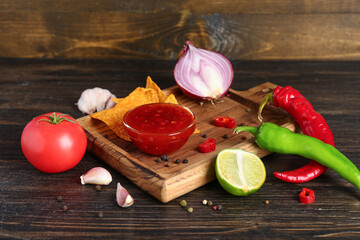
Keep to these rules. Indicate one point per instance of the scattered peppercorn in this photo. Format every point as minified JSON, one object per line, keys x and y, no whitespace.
{"x":225,"y":136}
{"x":183,"y":203}
{"x":163,"y":157}
{"x":98,"y":188}
{"x":167,"y":159}
{"x":158,"y":160}
{"x":214,"y":207}
{"x":209,"y":203}
{"x":59,"y":199}
{"x":219,"y":207}
{"x":190,"y":209}
{"x":177,"y":161}
{"x":243,"y":137}
{"x":100,"y":214}
{"x":267,"y":202}
{"x":167,"y":165}
{"x":242,"y":124}
{"x":65,"y":208}
{"x":185,"y":161}
{"x":204,"y":135}
{"x":204,"y":202}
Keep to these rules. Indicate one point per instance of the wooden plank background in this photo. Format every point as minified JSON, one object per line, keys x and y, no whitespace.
{"x":157,"y":29}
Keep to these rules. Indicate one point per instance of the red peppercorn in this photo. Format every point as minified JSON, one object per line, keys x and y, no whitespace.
{"x":214,"y":207}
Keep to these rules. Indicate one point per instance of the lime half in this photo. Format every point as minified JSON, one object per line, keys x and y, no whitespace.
{"x":239,"y":172}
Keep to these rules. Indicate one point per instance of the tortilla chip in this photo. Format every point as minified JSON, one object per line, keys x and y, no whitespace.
{"x":117,"y":100}
{"x":113,"y":117}
{"x":152,"y":85}
{"x":171,"y":99}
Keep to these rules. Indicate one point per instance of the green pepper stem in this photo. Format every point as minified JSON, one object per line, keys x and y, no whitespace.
{"x":266,"y":99}
{"x":252,"y":130}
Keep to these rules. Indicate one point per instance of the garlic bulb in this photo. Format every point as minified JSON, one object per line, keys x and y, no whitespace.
{"x":123,"y":198}
{"x":95,"y":100}
{"x":96,"y":175}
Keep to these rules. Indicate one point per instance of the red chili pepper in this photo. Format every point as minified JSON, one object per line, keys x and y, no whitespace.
{"x":311,"y":124}
{"x":307,"y":196}
{"x":208,"y":146}
{"x":224,"y":122}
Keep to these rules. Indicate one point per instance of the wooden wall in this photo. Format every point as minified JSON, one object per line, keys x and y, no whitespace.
{"x":157,"y":29}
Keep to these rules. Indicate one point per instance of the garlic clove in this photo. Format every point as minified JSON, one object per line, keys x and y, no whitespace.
{"x":109,"y":102}
{"x":96,"y":175}
{"x":95,"y":100}
{"x":123,"y":198}
{"x":104,"y":99}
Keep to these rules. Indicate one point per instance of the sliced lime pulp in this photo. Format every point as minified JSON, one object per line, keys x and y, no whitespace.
{"x":239,"y":172}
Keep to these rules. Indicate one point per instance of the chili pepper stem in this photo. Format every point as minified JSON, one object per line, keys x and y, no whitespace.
{"x":267,"y":98}
{"x":252,"y":130}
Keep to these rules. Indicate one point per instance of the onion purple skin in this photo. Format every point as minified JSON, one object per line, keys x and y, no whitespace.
{"x":194,"y":96}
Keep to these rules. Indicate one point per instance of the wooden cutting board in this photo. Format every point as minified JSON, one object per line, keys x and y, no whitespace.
{"x":169,"y":180}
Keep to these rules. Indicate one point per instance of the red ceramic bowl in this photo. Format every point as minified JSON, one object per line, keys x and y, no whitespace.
{"x":159,"y":128}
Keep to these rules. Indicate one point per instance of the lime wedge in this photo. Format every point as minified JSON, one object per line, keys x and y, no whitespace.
{"x":239,"y":172}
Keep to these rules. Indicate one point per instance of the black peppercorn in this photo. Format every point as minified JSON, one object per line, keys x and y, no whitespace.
{"x":158,"y":160}
{"x":185,"y":161}
{"x":204,"y":136}
{"x":225,"y":136}
{"x":177,"y":161}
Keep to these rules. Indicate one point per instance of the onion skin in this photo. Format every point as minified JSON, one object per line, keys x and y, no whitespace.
{"x":203,"y":64}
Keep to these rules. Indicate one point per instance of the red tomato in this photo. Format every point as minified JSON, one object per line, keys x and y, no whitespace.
{"x":53,"y":142}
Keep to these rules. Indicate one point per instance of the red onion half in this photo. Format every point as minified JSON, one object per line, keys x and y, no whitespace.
{"x":202,"y":74}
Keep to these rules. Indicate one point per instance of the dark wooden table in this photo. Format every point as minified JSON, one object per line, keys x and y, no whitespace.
{"x":28,"y":198}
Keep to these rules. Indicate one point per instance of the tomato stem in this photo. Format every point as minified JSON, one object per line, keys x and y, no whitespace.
{"x":53,"y":119}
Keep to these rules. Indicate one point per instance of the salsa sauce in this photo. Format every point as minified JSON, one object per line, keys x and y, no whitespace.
{"x":159,"y":128}
{"x":159,"y":118}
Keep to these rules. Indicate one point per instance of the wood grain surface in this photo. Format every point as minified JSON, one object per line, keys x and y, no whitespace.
{"x":240,"y":29}
{"x":28,"y":198}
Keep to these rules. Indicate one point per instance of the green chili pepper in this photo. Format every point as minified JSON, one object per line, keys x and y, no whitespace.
{"x":278,"y":139}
